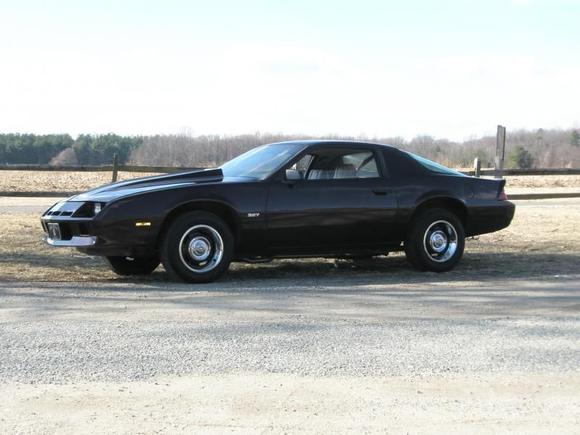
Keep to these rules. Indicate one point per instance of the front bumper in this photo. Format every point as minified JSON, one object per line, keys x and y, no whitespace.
{"x":73,"y":242}
{"x":71,"y":231}
{"x":92,"y":236}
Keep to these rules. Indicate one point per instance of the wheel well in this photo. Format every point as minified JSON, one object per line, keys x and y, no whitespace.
{"x":453,"y":205}
{"x":224,"y":211}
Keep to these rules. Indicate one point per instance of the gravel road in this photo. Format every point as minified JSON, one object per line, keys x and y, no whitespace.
{"x":314,"y":355}
{"x":63,"y":333}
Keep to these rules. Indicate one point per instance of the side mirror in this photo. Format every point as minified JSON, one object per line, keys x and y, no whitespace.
{"x":293,"y":175}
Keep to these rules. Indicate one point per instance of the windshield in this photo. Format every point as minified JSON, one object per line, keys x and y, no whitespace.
{"x":434,"y":167}
{"x":260,"y":162}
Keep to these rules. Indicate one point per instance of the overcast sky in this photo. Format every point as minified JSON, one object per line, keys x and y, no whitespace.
{"x":447,"y":68}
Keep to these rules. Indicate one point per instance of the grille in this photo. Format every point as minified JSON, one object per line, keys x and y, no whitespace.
{"x":59,"y":213}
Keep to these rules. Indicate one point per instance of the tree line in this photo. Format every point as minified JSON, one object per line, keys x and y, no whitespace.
{"x":32,"y":149}
{"x":525,"y":148}
{"x":62,"y":149}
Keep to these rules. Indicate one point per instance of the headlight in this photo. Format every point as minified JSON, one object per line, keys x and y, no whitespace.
{"x":89,"y":209}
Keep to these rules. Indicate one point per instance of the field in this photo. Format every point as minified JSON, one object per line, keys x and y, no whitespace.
{"x":56,"y":181}
{"x":22,"y":181}
{"x":541,"y":240}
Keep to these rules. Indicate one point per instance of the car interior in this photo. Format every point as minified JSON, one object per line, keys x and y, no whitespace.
{"x":336,"y":164}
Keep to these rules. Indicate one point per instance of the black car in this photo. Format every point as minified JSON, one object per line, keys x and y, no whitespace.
{"x":288,"y":199}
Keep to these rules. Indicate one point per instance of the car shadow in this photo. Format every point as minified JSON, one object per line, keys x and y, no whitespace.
{"x":474,"y":267}
{"x":484,"y":285}
{"x":479,"y":267}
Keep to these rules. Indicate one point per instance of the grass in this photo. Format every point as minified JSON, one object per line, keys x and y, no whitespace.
{"x":542,"y":241}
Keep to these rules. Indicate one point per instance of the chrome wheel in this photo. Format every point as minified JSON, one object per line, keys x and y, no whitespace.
{"x":440,"y":241}
{"x":201,"y":248}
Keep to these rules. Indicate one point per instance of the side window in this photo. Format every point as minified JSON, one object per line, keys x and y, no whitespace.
{"x":343,"y":165}
{"x":364,"y":163}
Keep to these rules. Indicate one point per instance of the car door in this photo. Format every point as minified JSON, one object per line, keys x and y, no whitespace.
{"x":340,"y":201}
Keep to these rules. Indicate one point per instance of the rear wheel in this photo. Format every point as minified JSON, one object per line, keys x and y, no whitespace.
{"x":436,"y":241}
{"x":133,"y":265}
{"x":197,"y":247}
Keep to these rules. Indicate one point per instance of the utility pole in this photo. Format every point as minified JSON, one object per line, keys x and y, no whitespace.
{"x":115,"y":167}
{"x":499,"y":151}
{"x":477,"y":167}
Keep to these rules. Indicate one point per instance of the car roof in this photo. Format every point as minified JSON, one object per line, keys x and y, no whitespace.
{"x":339,"y":142}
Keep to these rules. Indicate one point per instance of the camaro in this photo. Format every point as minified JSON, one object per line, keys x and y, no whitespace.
{"x":288,"y":199}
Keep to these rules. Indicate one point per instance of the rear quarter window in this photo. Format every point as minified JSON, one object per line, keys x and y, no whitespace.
{"x":400,"y":165}
{"x":432,"y":166}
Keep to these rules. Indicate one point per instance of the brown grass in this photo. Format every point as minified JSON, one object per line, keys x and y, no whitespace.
{"x":543,"y":181}
{"x":47,"y":181}
{"x":20,"y":181}
{"x":543,"y":240}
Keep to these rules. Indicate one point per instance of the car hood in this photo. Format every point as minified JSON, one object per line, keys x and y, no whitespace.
{"x":110,"y":192}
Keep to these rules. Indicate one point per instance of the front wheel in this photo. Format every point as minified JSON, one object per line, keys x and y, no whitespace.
{"x":125,"y":266}
{"x":197,"y":247}
{"x":435,"y":241}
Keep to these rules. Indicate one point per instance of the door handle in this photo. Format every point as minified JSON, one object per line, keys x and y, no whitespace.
{"x":380,"y":192}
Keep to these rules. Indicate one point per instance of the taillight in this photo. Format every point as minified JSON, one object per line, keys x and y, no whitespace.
{"x":502,"y":195}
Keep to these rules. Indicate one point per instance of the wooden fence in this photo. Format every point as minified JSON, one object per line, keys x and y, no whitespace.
{"x":114,"y":169}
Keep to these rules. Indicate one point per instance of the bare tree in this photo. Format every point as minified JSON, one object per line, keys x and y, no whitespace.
{"x":549,"y":148}
{"x":66,"y":157}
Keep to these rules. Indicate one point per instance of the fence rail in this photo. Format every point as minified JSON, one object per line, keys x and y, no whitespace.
{"x":168,"y":169}
{"x":88,"y":168}
{"x":523,"y":172}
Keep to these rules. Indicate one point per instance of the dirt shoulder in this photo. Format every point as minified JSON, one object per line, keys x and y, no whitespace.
{"x":246,"y":403}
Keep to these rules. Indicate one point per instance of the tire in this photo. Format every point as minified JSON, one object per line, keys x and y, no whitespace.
{"x":435,"y":241}
{"x":125,"y":266}
{"x":197,"y":247}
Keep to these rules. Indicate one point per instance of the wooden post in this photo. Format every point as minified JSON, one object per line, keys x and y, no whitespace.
{"x":477,"y":167}
{"x":499,"y":151}
{"x":115,"y":166}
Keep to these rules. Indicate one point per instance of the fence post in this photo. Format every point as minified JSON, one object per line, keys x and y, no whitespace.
{"x":499,"y":151}
{"x":115,"y":166}
{"x":477,"y":167}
